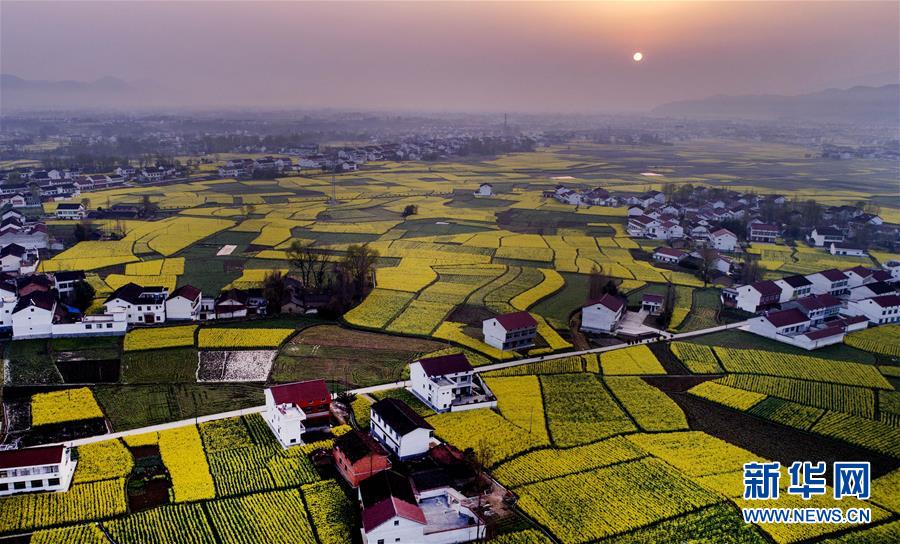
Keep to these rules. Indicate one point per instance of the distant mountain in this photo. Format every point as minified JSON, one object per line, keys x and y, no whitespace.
{"x":17,"y":92}
{"x":856,"y":104}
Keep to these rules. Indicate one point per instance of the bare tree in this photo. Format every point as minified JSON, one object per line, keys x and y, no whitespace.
{"x":708,"y":258}
{"x":311,"y":264}
{"x":597,"y":283}
{"x":274,"y":289}
{"x":359,"y":263}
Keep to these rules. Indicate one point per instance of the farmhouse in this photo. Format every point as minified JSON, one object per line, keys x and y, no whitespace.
{"x":723,"y":240}
{"x":485,"y":189}
{"x":871,"y":290}
{"x":668,"y":255}
{"x":652,"y":304}
{"x":878,"y":310}
{"x":43,"y":468}
{"x":293,"y":408}
{"x":793,"y":287}
{"x":509,"y":332}
{"x":399,"y":429}
{"x":144,"y":305}
{"x":239,"y":303}
{"x":15,"y":258}
{"x":753,"y":298}
{"x":832,"y":281}
{"x":817,"y":308}
{"x":70,"y":211}
{"x":602,"y":315}
{"x":846,"y":250}
{"x":792,"y":326}
{"x":66,"y":281}
{"x":763,"y":232}
{"x":392,"y":511}
{"x":358,"y":456}
{"x":184,"y":304}
{"x":859,"y":275}
{"x":449,"y":382}
{"x":825,"y":236}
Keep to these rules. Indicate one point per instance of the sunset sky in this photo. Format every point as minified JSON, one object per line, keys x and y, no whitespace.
{"x":455,"y":56}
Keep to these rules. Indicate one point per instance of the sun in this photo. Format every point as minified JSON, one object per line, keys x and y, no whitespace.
{"x":638,"y":57}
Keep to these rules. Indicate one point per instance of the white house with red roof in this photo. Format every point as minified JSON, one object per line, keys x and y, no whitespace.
{"x":184,"y":303}
{"x":723,"y":240}
{"x":669,"y":255}
{"x":43,"y":468}
{"x":294,"y":408}
{"x":393,"y":511}
{"x":603,"y":314}
{"x":878,"y":310}
{"x":652,"y":304}
{"x":399,"y":429}
{"x":793,"y":327}
{"x":859,"y":275}
{"x":763,"y":232}
{"x":449,"y":383}
{"x":509,"y":332}
{"x":831,"y":281}
{"x":793,"y":287}
{"x":817,"y":308}
{"x":754,"y":297}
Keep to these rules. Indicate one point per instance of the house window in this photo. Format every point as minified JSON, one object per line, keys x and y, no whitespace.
{"x":37,"y":483}
{"x":396,"y":522}
{"x":19,"y":485}
{"x":53,"y":481}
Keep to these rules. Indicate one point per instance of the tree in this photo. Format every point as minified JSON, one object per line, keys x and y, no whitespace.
{"x":311,"y":264}
{"x":708,"y":258}
{"x":274,"y":289}
{"x":410,"y":209}
{"x":665,"y":317}
{"x":148,"y":207}
{"x":81,"y":232}
{"x":82,"y":295}
{"x":751,"y":271}
{"x":86,"y":202}
{"x":597,"y":283}
{"x":359,"y":263}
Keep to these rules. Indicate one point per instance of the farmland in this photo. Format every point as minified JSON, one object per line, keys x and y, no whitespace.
{"x":593,"y":446}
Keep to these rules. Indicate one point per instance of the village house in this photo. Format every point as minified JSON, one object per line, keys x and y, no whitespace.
{"x":652,"y":304}
{"x":358,"y":456}
{"x":17,"y":259}
{"x":723,"y":240}
{"x":295,"y":408}
{"x":398,"y":428}
{"x":793,"y":287}
{"x":449,"y":382}
{"x":393,"y":512}
{"x":39,"y":314}
{"x":144,"y":305}
{"x":508,"y":332}
{"x":825,"y":236}
{"x":32,"y":237}
{"x":239,"y":303}
{"x":668,"y":255}
{"x":846,"y":250}
{"x":859,"y":275}
{"x":763,"y":232}
{"x":754,"y":297}
{"x":70,"y":211}
{"x":42,"y":468}
{"x":817,"y":308}
{"x":832,"y":282}
{"x":184,"y":303}
{"x":792,"y":327}
{"x":602,"y":315}
{"x":485,"y":189}
{"x":878,"y":310}
{"x":66,"y":281}
{"x":871,"y":290}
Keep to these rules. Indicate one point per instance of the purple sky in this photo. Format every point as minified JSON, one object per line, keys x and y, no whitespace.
{"x":457,"y":57}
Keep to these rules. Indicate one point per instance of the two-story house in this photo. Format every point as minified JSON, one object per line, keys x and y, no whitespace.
{"x":793,"y":287}
{"x":145,"y":305}
{"x":449,"y":382}
{"x":358,"y":456}
{"x":294,"y":408}
{"x":878,"y":310}
{"x":817,"y":308}
{"x":510,"y":332}
{"x":831,"y":282}
{"x":184,"y":303}
{"x":399,"y":429}
{"x":754,"y":297}
{"x":602,"y":315}
{"x":42,"y":468}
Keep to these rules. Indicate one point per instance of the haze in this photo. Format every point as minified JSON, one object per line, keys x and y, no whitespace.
{"x":538,"y":57}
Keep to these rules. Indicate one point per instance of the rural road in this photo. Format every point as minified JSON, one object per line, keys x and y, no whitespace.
{"x":389,"y":386}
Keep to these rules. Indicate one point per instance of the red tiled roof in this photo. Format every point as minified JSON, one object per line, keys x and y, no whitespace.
{"x":609,"y":301}
{"x":31,"y":457}
{"x":677,"y":253}
{"x":383,"y":511}
{"x":816,"y":302}
{"x":652,"y":298}
{"x":786,"y":318}
{"x":187,"y":291}
{"x":763,"y":226}
{"x":722,"y":232}
{"x":308,"y":392}
{"x":824,"y":333}
{"x":766,"y":288}
{"x":887,"y":301}
{"x":861,"y":271}
{"x":445,"y":364}
{"x":833,"y":274}
{"x":517,"y":320}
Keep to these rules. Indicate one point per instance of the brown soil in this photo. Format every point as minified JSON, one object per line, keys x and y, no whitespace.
{"x":335,"y":336}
